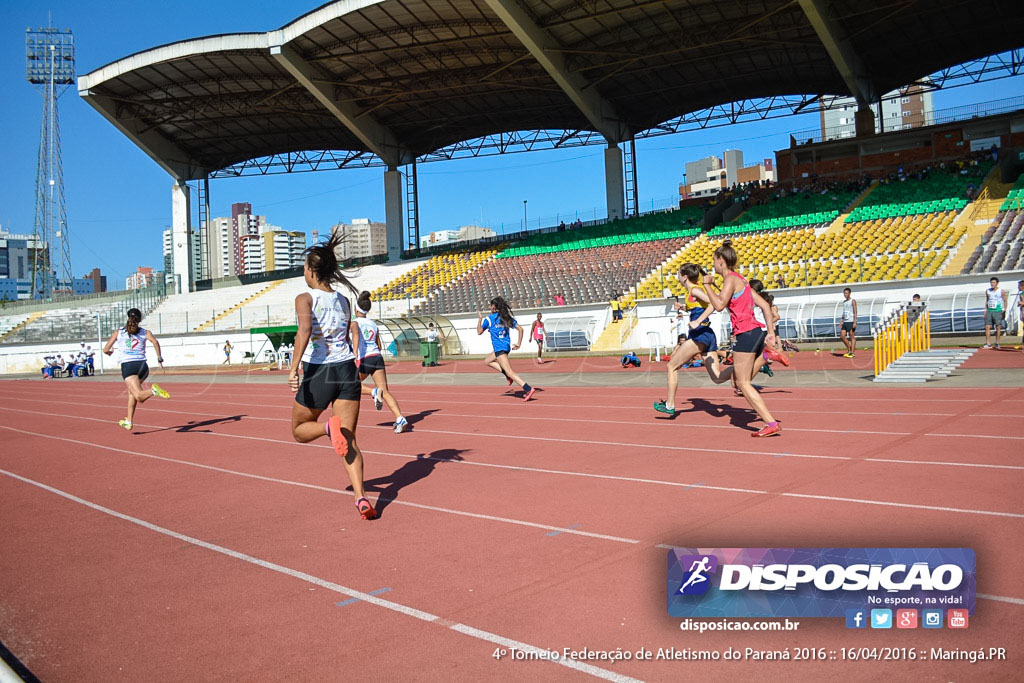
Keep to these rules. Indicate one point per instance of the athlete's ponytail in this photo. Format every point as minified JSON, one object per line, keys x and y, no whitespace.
{"x":363,"y":303}
{"x":504,"y":312}
{"x":134,"y":318}
{"x":322,"y":259}
{"x":727,"y":254}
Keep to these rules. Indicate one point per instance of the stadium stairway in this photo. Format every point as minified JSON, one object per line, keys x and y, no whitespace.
{"x":223,"y":314}
{"x":837,"y":224}
{"x":22,"y":325}
{"x":616,"y":334}
{"x":977,"y":218}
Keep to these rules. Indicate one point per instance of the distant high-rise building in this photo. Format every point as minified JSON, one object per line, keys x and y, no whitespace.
{"x":142,"y":277}
{"x":99,"y":282}
{"x":467,"y":233}
{"x":283,"y":249}
{"x":707,"y":177}
{"x":17,"y":254}
{"x":361,"y":238}
{"x":912,"y":109}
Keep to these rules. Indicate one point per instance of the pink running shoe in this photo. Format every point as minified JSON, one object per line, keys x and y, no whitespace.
{"x":771,"y":354}
{"x":338,"y":439}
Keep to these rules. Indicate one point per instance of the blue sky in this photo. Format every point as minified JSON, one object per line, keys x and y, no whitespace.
{"x":119,"y":200}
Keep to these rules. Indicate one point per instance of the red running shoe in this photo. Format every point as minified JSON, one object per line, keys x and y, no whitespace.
{"x":338,"y":439}
{"x":769,"y":430}
{"x":366,"y":510}
{"x":529,"y":394}
{"x":771,"y":354}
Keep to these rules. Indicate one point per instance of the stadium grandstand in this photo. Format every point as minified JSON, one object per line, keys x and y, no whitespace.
{"x":918,"y":205}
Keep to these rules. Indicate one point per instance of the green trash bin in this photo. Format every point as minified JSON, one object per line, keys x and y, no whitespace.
{"x":429,"y":352}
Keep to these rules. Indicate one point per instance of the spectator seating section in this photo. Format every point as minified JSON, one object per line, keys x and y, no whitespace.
{"x":1015,"y":198}
{"x":786,"y":212}
{"x":1002,"y":247}
{"x":579,"y":275}
{"x":941,"y":190}
{"x":76,"y":323}
{"x":11,"y":324}
{"x":433,"y":274}
{"x":883,"y":249}
{"x":655,"y":226}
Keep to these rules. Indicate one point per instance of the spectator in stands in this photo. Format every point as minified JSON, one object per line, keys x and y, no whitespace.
{"x":916,"y":299}
{"x":559,"y":300}
{"x":848,"y":329}
{"x":227,"y":352}
{"x":561,"y":227}
{"x":47,"y":367}
{"x":780,"y":282}
{"x":995,"y":312}
{"x":616,"y":307}
{"x":537,"y":335}
{"x":89,"y":353}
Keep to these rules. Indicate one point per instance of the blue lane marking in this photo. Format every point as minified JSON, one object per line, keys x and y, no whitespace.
{"x":780,"y":455}
{"x":693,"y":486}
{"x":351,"y":600}
{"x":555,"y":533}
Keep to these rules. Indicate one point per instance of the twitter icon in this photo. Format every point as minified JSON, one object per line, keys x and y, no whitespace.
{"x":881,"y":618}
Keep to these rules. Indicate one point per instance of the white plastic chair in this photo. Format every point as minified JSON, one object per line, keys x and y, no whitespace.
{"x":657,"y":348}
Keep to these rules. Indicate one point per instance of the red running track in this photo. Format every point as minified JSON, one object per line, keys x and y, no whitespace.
{"x":208,"y":544}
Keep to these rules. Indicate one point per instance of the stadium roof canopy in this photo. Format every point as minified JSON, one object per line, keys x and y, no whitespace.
{"x":400,"y":79}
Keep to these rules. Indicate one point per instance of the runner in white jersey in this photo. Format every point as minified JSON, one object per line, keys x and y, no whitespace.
{"x":324,"y":342}
{"x":995,"y":312}
{"x":848,"y":330}
{"x":131,"y":350}
{"x":371,"y":363}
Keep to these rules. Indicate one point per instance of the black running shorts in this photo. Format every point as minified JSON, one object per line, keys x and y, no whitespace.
{"x":326,"y":383}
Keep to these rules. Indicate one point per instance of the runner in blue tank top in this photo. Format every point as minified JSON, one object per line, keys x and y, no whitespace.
{"x":500,"y":322}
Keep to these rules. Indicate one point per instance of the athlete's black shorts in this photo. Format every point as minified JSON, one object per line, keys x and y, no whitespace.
{"x":751,"y":341}
{"x":325,"y":383}
{"x":137,"y":368}
{"x":503,"y":352}
{"x":371,"y":364}
{"x":848,"y":326}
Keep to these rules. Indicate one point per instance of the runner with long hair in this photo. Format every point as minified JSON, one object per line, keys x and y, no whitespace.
{"x":131,"y":348}
{"x":751,"y":336}
{"x":371,"y":363}
{"x":324,"y":342}
{"x":701,"y":338}
{"x":500,"y":322}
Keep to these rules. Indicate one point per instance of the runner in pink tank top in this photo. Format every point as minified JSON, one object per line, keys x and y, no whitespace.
{"x":751,"y":336}
{"x":741,"y":308}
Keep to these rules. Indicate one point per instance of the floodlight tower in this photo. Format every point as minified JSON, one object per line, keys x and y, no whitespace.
{"x":50,"y":57}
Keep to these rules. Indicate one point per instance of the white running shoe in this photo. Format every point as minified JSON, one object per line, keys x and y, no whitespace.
{"x":400,"y":425}
{"x":378,"y":402}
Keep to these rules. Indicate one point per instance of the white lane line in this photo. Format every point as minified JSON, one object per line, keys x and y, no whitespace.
{"x":330,"y":585}
{"x":582,"y":474}
{"x":688,"y":426}
{"x":716,"y":451}
{"x":316,"y":487}
{"x":1001,"y":598}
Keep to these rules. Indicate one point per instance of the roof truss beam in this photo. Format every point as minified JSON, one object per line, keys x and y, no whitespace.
{"x":165,"y":152}
{"x":378,"y":138}
{"x":597,"y":110}
{"x":840,"y":50}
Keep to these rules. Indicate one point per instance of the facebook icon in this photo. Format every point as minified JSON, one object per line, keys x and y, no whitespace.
{"x":856,"y":618}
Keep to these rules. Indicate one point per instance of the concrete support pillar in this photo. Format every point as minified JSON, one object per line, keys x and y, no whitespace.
{"x":613,"y":189}
{"x":393,"y":212}
{"x":864,"y":120}
{"x":181,"y":236}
